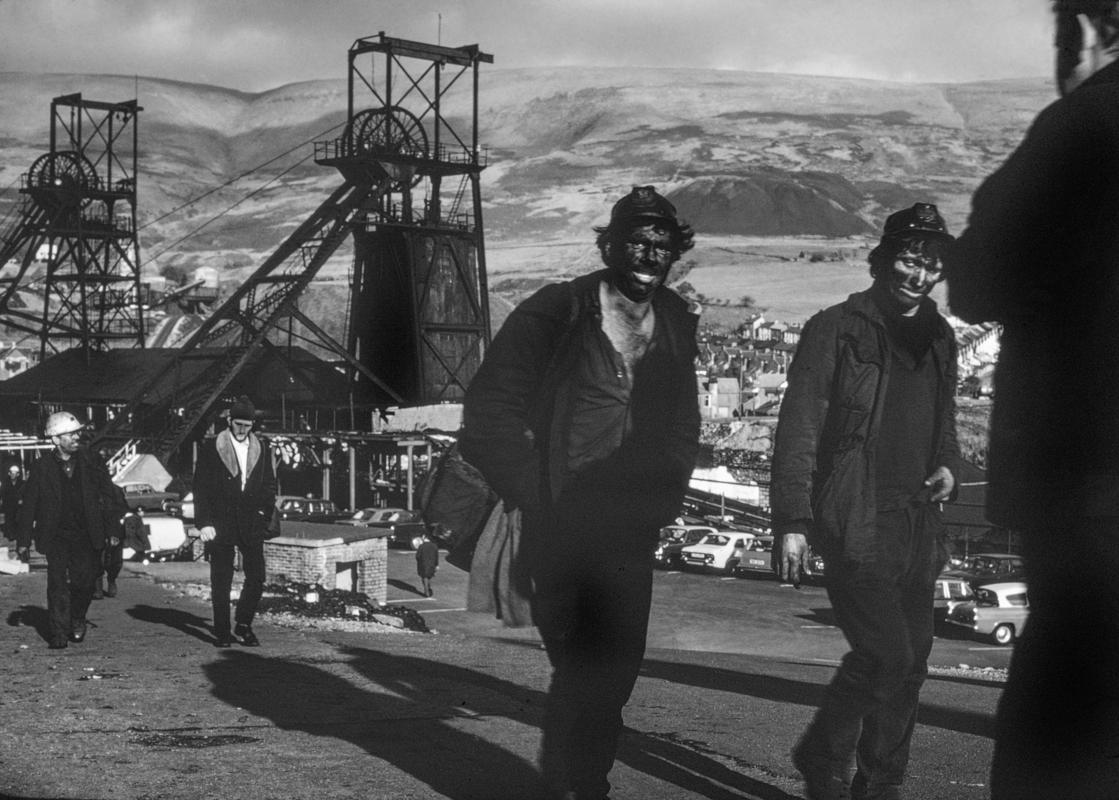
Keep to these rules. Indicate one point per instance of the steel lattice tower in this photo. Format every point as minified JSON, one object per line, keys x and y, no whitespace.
{"x":73,"y":238}
{"x":418,"y":320}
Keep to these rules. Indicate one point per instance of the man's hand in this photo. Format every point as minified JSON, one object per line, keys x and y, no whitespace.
{"x":24,"y":554}
{"x":114,"y":541}
{"x":207,"y":534}
{"x":790,"y":554}
{"x":941,"y":483}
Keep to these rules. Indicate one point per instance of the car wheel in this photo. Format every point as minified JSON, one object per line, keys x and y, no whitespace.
{"x":731,"y":569}
{"x":1003,"y":634}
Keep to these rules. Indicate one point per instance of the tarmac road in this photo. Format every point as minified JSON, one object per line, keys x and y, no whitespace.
{"x":751,"y":615}
{"x":147,"y":708}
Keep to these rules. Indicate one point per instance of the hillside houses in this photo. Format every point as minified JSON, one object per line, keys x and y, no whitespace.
{"x":743,"y":373}
{"x":15,"y":359}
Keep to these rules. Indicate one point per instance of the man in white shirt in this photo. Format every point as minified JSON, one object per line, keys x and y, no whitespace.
{"x":234,"y":497}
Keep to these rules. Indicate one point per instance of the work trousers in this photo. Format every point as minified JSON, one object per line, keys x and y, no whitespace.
{"x":885,"y":609}
{"x":592,"y":592}
{"x":72,"y":568}
{"x":221,"y":581}
{"x":1057,"y":733}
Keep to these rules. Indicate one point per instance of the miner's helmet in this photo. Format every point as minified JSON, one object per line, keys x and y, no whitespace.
{"x":643,"y":206}
{"x":61,"y":422}
{"x":923,"y":219}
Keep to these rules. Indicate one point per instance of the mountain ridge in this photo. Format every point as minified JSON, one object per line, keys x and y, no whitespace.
{"x":741,"y":154}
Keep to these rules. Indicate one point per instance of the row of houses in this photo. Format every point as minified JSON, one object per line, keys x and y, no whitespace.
{"x":744,"y":373}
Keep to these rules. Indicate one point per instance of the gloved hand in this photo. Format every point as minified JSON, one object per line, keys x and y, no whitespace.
{"x":24,"y":554}
{"x":790,"y":557}
{"x":207,"y":534}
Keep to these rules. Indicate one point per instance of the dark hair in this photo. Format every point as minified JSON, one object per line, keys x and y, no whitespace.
{"x":613,"y":237}
{"x":882,"y":257}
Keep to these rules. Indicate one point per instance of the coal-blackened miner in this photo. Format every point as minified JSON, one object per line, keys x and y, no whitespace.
{"x":234,"y":499}
{"x":865,"y":451}
{"x":70,"y":507}
{"x":584,"y":416}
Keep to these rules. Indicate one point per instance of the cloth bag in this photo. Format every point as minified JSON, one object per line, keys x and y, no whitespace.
{"x":456,"y":499}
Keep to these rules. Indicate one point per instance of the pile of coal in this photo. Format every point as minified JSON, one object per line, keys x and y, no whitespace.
{"x":312,"y":600}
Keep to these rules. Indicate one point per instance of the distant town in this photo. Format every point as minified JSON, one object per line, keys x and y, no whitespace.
{"x":743,"y":373}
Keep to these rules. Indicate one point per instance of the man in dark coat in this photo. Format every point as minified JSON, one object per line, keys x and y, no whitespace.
{"x":864,"y":451}
{"x":584,"y":416}
{"x":10,"y":493}
{"x":427,"y":561}
{"x":234,"y":499}
{"x":1041,"y":256}
{"x":70,"y":506}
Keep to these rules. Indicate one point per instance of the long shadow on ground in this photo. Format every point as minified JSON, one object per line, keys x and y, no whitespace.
{"x":788,"y":690}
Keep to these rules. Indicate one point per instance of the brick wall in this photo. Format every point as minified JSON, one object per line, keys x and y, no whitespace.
{"x":317,"y":560}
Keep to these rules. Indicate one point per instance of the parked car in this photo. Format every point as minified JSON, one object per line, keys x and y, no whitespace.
{"x":167,"y":540}
{"x":183,"y":508}
{"x":308,"y":509}
{"x":673,"y":539}
{"x":984,"y":568}
{"x":405,"y":528}
{"x":716,"y":551}
{"x":998,"y":611}
{"x":145,"y":496}
{"x":756,"y":557}
{"x":950,"y":590}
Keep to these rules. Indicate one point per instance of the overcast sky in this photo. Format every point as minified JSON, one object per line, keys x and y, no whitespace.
{"x":255,"y":45}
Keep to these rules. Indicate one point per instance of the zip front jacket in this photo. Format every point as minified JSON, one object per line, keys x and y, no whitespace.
{"x":827,"y":434}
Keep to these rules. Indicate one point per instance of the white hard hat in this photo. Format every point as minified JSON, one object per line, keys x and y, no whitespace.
{"x":61,"y":422}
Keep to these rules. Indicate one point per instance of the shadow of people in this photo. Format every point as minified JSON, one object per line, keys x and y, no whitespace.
{"x":398,"y":712}
{"x":405,"y":586}
{"x":190,"y":624}
{"x":807,"y":693}
{"x":685,"y":767}
{"x":33,"y":617}
{"x":820,"y":616}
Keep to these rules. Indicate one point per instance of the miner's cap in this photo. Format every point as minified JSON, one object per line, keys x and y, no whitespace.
{"x":923,"y":219}
{"x":643,"y":205}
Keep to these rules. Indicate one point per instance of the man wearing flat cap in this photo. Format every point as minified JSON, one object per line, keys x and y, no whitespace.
{"x":234,"y":497}
{"x":584,"y":416}
{"x":865,"y":451}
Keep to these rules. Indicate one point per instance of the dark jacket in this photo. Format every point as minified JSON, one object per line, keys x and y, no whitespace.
{"x":827,"y":433}
{"x":1040,"y":256}
{"x":40,"y":514}
{"x":517,"y":412}
{"x":237,"y":516}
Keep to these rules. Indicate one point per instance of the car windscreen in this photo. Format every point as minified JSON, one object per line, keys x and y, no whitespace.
{"x":715,"y":539}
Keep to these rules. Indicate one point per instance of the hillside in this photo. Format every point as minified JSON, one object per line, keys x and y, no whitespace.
{"x":766,"y":167}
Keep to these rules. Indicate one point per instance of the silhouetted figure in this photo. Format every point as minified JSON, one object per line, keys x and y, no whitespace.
{"x":1041,"y":256}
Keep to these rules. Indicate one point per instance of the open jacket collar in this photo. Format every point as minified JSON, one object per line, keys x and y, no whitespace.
{"x":224,"y":445}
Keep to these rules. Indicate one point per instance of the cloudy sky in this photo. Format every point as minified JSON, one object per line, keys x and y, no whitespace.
{"x":255,"y":45}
